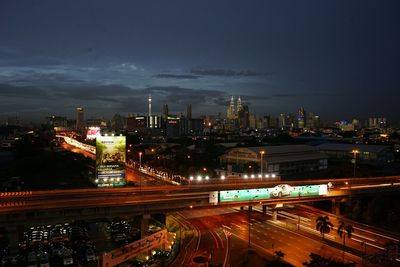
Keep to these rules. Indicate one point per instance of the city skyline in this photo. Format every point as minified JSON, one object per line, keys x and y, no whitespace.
{"x":337,"y":59}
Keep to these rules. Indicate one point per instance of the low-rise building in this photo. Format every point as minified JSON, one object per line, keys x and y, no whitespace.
{"x":282,"y":160}
{"x":367,"y":154}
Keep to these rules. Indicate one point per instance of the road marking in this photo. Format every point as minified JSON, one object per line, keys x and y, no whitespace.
{"x":225,"y":226}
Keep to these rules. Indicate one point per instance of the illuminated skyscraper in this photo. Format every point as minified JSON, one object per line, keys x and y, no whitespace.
{"x":150,"y":119}
{"x":239,"y":105}
{"x":230,"y":115}
{"x":80,"y":120}
{"x":302,"y":118}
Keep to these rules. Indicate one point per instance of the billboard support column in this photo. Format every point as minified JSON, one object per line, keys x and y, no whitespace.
{"x":264,"y":209}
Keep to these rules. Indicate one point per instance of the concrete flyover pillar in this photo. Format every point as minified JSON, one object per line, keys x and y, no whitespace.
{"x":264,"y":209}
{"x":144,"y":225}
{"x":274,"y":215}
{"x":250,"y":207}
{"x":336,"y":206}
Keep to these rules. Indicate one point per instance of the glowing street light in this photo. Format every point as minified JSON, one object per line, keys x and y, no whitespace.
{"x":355,"y":152}
{"x":222,"y":177}
{"x":140,"y":160}
{"x":261,"y":161}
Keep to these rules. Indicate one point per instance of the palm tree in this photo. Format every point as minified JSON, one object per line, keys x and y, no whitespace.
{"x":344,"y":230}
{"x":323,"y":225}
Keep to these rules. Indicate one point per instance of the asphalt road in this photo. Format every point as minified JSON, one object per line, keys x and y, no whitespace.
{"x":266,"y":236}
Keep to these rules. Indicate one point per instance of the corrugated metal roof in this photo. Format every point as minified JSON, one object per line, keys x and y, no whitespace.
{"x":285,"y":149}
{"x":350,"y":147}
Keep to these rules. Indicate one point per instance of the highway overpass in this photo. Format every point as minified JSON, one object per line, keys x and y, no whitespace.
{"x":51,"y":206}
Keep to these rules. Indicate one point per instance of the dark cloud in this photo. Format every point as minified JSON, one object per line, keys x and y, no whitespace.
{"x":227,"y":72}
{"x":176,"y":76}
{"x":94,"y":92}
{"x":315,"y":94}
{"x":7,"y":90}
{"x":176,"y":97}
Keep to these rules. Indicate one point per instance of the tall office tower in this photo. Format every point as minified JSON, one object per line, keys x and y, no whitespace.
{"x":149,"y":118}
{"x":244,"y":118}
{"x":80,"y":119}
{"x":149,"y":105}
{"x":302,"y":118}
{"x":189,"y":111}
{"x":230,"y":115}
{"x":239,"y":106}
{"x":165,"y":112}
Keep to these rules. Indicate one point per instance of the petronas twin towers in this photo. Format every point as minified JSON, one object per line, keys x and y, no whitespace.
{"x":232,"y":113}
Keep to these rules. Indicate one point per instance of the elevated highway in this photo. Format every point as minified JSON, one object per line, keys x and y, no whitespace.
{"x":54,"y":206}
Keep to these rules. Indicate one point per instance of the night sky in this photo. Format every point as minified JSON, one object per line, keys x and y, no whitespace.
{"x":339,"y":59}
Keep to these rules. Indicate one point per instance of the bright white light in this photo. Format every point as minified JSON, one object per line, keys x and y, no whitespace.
{"x":112,"y":179}
{"x":207,"y":177}
{"x":199,"y":178}
{"x":105,"y":179}
{"x":222,"y":177}
{"x":191,"y":178}
{"x":260,"y":176}
{"x":118,"y":179}
{"x":267,"y":176}
{"x":252,"y":176}
{"x":96,"y":181}
{"x":246,"y":176}
{"x":273,"y":175}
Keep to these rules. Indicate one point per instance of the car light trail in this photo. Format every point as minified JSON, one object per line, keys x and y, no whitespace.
{"x":384,"y":236}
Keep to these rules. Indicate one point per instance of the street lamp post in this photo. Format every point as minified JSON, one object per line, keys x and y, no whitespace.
{"x":261,"y":162}
{"x":140,"y":167}
{"x":355,"y":152}
{"x":249,"y":218}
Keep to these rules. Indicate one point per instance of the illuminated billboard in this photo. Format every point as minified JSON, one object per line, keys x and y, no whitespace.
{"x":92,"y":133}
{"x":279,"y":191}
{"x":110,"y":161}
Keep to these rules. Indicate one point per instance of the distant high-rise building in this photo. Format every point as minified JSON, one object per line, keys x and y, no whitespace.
{"x":301,"y":119}
{"x":239,"y":106}
{"x":150,"y":125}
{"x":118,"y":122}
{"x":12,"y":121}
{"x":165,"y":112}
{"x":313,"y":121}
{"x":244,"y":118}
{"x":377,"y":122}
{"x":189,"y":111}
{"x":230,"y":115}
{"x":80,"y":119}
{"x":57,"y":122}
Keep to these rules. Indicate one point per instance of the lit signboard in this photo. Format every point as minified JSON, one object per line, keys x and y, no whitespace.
{"x":92,"y":133}
{"x":110,"y":160}
{"x":279,"y":191}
